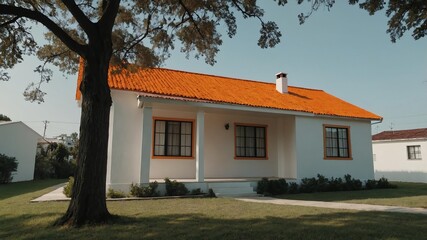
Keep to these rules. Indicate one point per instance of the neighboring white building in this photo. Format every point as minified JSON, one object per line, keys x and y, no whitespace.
{"x":401,"y":155}
{"x":61,"y":139}
{"x":201,"y":128}
{"x":19,"y":141}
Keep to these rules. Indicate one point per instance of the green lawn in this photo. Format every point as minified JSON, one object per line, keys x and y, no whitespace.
{"x":407,"y":195}
{"x":201,"y":219}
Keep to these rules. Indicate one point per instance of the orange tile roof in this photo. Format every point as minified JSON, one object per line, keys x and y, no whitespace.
{"x":174,"y":83}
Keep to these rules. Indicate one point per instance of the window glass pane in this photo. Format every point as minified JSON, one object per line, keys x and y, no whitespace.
{"x":159,"y":150}
{"x":239,"y":131}
{"x":250,"y":141}
{"x":186,"y":128}
{"x":336,"y":142}
{"x":240,"y":142}
{"x":173,"y":138}
{"x":249,"y":132}
{"x":250,"y":152}
{"x":160,"y":126}
{"x":335,"y":152}
{"x":260,"y":132}
{"x":343,"y":153}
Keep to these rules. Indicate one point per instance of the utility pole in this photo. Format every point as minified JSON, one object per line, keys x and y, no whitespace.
{"x":45,"y":126}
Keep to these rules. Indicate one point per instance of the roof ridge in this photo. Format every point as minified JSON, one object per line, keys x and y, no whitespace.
{"x":403,"y":130}
{"x":232,"y":78}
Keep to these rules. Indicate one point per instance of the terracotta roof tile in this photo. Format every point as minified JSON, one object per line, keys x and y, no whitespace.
{"x":401,"y":134}
{"x":219,"y":89}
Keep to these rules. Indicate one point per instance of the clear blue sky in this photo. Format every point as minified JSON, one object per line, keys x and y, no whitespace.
{"x":345,"y":52}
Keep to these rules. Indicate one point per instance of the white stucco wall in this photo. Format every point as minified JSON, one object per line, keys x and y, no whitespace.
{"x":124,"y":152}
{"x":294,"y":145}
{"x":391,"y":160}
{"x":310,"y":155}
{"x":219,"y":147}
{"x":124,"y":140}
{"x":19,"y":141}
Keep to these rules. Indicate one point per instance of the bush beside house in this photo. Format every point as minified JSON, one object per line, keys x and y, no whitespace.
{"x":8,"y":165}
{"x":318,"y":184}
{"x":53,"y":163}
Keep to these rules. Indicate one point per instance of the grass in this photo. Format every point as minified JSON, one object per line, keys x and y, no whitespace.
{"x":407,"y":195}
{"x":201,"y":219}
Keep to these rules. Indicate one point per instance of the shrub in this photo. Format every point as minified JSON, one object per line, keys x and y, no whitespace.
{"x":335,"y":184}
{"x":262,"y":186}
{"x":211,"y":193}
{"x":322,"y":183}
{"x":174,"y":188}
{"x":272,"y":187}
{"x":144,"y":191}
{"x":351,"y":184}
{"x":62,"y":167}
{"x":293,"y":188}
{"x":69,"y":187}
{"x":308,"y":185}
{"x":115,"y":194}
{"x":196,"y":191}
{"x":370,"y":184}
{"x":43,"y":167}
{"x":384,"y":183}
{"x":7,"y":166}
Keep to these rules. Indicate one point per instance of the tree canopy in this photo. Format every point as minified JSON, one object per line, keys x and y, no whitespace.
{"x":4,"y":118}
{"x":128,"y":33}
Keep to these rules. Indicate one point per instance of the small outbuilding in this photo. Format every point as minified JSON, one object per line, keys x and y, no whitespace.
{"x":398,"y":155}
{"x":20,"y":141}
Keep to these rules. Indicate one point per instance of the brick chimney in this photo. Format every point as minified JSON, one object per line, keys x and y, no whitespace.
{"x":282,"y":82}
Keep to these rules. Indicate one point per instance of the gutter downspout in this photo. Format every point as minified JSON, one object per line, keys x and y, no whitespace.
{"x":380,"y":121}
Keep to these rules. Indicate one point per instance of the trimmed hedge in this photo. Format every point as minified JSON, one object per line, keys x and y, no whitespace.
{"x":318,"y":184}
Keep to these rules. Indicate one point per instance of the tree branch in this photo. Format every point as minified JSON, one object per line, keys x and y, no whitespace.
{"x":80,"y":17}
{"x":10,"y":21}
{"x":110,"y":13}
{"x":190,"y":15}
{"x":47,"y":22}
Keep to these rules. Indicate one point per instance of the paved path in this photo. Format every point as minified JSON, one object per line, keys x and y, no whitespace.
{"x":335,"y":205}
{"x":55,"y":195}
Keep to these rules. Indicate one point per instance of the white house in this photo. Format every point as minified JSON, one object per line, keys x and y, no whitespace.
{"x":398,"y":155}
{"x":202,"y":128}
{"x":19,"y":141}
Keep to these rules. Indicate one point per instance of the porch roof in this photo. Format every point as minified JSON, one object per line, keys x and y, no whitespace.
{"x":218,"y":89}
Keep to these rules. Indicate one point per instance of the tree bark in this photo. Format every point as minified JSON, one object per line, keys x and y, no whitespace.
{"x":88,"y":203}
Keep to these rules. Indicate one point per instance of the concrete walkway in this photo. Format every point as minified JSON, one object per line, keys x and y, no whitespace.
{"x":335,"y":205}
{"x":55,"y":195}
{"x":58,"y":195}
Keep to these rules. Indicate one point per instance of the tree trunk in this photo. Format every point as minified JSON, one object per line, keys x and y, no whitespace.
{"x":88,"y":204}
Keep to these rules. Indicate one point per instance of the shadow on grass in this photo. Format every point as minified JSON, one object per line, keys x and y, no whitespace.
{"x":403,"y":190}
{"x":338,"y":225}
{"x":14,"y":189}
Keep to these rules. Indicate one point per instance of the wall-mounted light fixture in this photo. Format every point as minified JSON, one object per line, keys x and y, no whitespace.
{"x":227,"y":126}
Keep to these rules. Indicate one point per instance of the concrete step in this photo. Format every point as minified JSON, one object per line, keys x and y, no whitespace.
{"x":232,"y":189}
{"x":228,"y":184}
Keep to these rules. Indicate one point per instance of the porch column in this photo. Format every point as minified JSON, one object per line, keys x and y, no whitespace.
{"x":200,"y":147}
{"x":147,"y":125}
{"x":280,"y":148}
